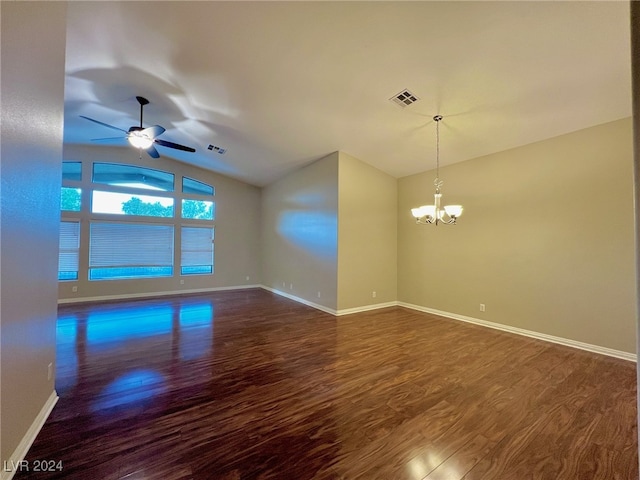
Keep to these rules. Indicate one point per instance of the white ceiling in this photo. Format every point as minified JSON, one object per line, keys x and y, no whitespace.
{"x":280,"y":84}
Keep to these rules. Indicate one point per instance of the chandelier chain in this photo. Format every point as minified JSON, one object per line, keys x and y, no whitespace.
{"x":437,"y":182}
{"x":437,"y":148}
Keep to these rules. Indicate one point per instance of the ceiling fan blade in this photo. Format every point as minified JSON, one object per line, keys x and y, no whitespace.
{"x":103,"y":124}
{"x":177,"y":146}
{"x":107,"y":138}
{"x":153,"y":153}
{"x":153,"y":132}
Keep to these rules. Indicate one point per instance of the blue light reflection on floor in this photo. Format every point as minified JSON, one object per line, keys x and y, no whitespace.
{"x":128,"y":323}
{"x":188,"y":329}
{"x":196,"y":330}
{"x":66,"y":352}
{"x":131,"y":389}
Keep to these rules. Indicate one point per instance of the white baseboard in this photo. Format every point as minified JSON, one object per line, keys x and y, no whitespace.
{"x":11,"y":465}
{"x":127,"y":296}
{"x":527,"y":333}
{"x":300,"y":300}
{"x":366,"y":308}
{"x":337,"y":313}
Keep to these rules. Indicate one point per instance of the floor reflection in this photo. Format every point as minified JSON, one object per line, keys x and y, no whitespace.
{"x":120,"y":325}
{"x":157,"y":338}
{"x":133,"y":387}
{"x":196,"y":330}
{"x":66,"y":355}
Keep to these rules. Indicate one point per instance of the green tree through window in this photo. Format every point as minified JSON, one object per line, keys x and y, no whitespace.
{"x":70,"y":199}
{"x":136,"y":206}
{"x":197,"y":209}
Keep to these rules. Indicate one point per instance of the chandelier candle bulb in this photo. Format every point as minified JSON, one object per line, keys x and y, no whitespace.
{"x":434,"y":214}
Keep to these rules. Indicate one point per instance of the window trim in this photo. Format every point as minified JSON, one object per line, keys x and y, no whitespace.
{"x":86,"y":217}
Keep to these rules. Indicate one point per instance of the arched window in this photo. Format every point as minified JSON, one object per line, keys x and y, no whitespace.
{"x":127,"y":221}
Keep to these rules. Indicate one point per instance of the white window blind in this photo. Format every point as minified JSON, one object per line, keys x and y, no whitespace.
{"x":196,"y":256}
{"x":69,"y":250}
{"x":129,"y":250}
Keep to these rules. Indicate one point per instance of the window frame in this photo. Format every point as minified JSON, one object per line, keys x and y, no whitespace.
{"x":86,"y":217}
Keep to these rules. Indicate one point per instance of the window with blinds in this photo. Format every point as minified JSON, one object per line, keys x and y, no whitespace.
{"x":196,"y":256}
{"x":69,"y":250}
{"x":130,"y":250}
{"x":140,"y":223}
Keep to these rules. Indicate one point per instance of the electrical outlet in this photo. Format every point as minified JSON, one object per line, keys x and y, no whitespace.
{"x":181,"y":282}
{"x":482,"y":307}
{"x":247,"y":278}
{"x":74,"y":289}
{"x":318,"y":294}
{"x":373,"y":294}
{"x":291,"y":286}
{"x":284,"y":285}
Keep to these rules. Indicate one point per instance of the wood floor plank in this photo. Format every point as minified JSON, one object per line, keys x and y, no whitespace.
{"x":249,"y":385}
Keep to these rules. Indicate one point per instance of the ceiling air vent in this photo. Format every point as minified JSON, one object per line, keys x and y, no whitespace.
{"x":404,"y":98}
{"x":219,"y":150}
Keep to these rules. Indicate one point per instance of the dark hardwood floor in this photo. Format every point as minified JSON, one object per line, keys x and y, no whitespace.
{"x":250,"y":385}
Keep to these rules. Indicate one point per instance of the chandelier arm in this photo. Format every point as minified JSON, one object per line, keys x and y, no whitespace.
{"x":436,"y":220}
{"x":425,"y":220}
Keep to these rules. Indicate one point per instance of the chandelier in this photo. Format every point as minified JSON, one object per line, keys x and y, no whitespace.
{"x":428,"y":214}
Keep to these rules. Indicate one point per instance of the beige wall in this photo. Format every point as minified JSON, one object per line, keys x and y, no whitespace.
{"x":546,"y":240}
{"x":635,"y":70}
{"x":32,"y":112}
{"x":237,"y":230}
{"x":300,"y":233}
{"x":367,"y":234}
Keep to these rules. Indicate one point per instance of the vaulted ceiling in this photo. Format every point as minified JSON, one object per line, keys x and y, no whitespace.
{"x":280,"y":84}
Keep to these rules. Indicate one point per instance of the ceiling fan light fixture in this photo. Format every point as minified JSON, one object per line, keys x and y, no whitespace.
{"x":139,"y":140}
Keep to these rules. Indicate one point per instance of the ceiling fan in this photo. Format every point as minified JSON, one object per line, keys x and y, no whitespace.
{"x":140,"y":137}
